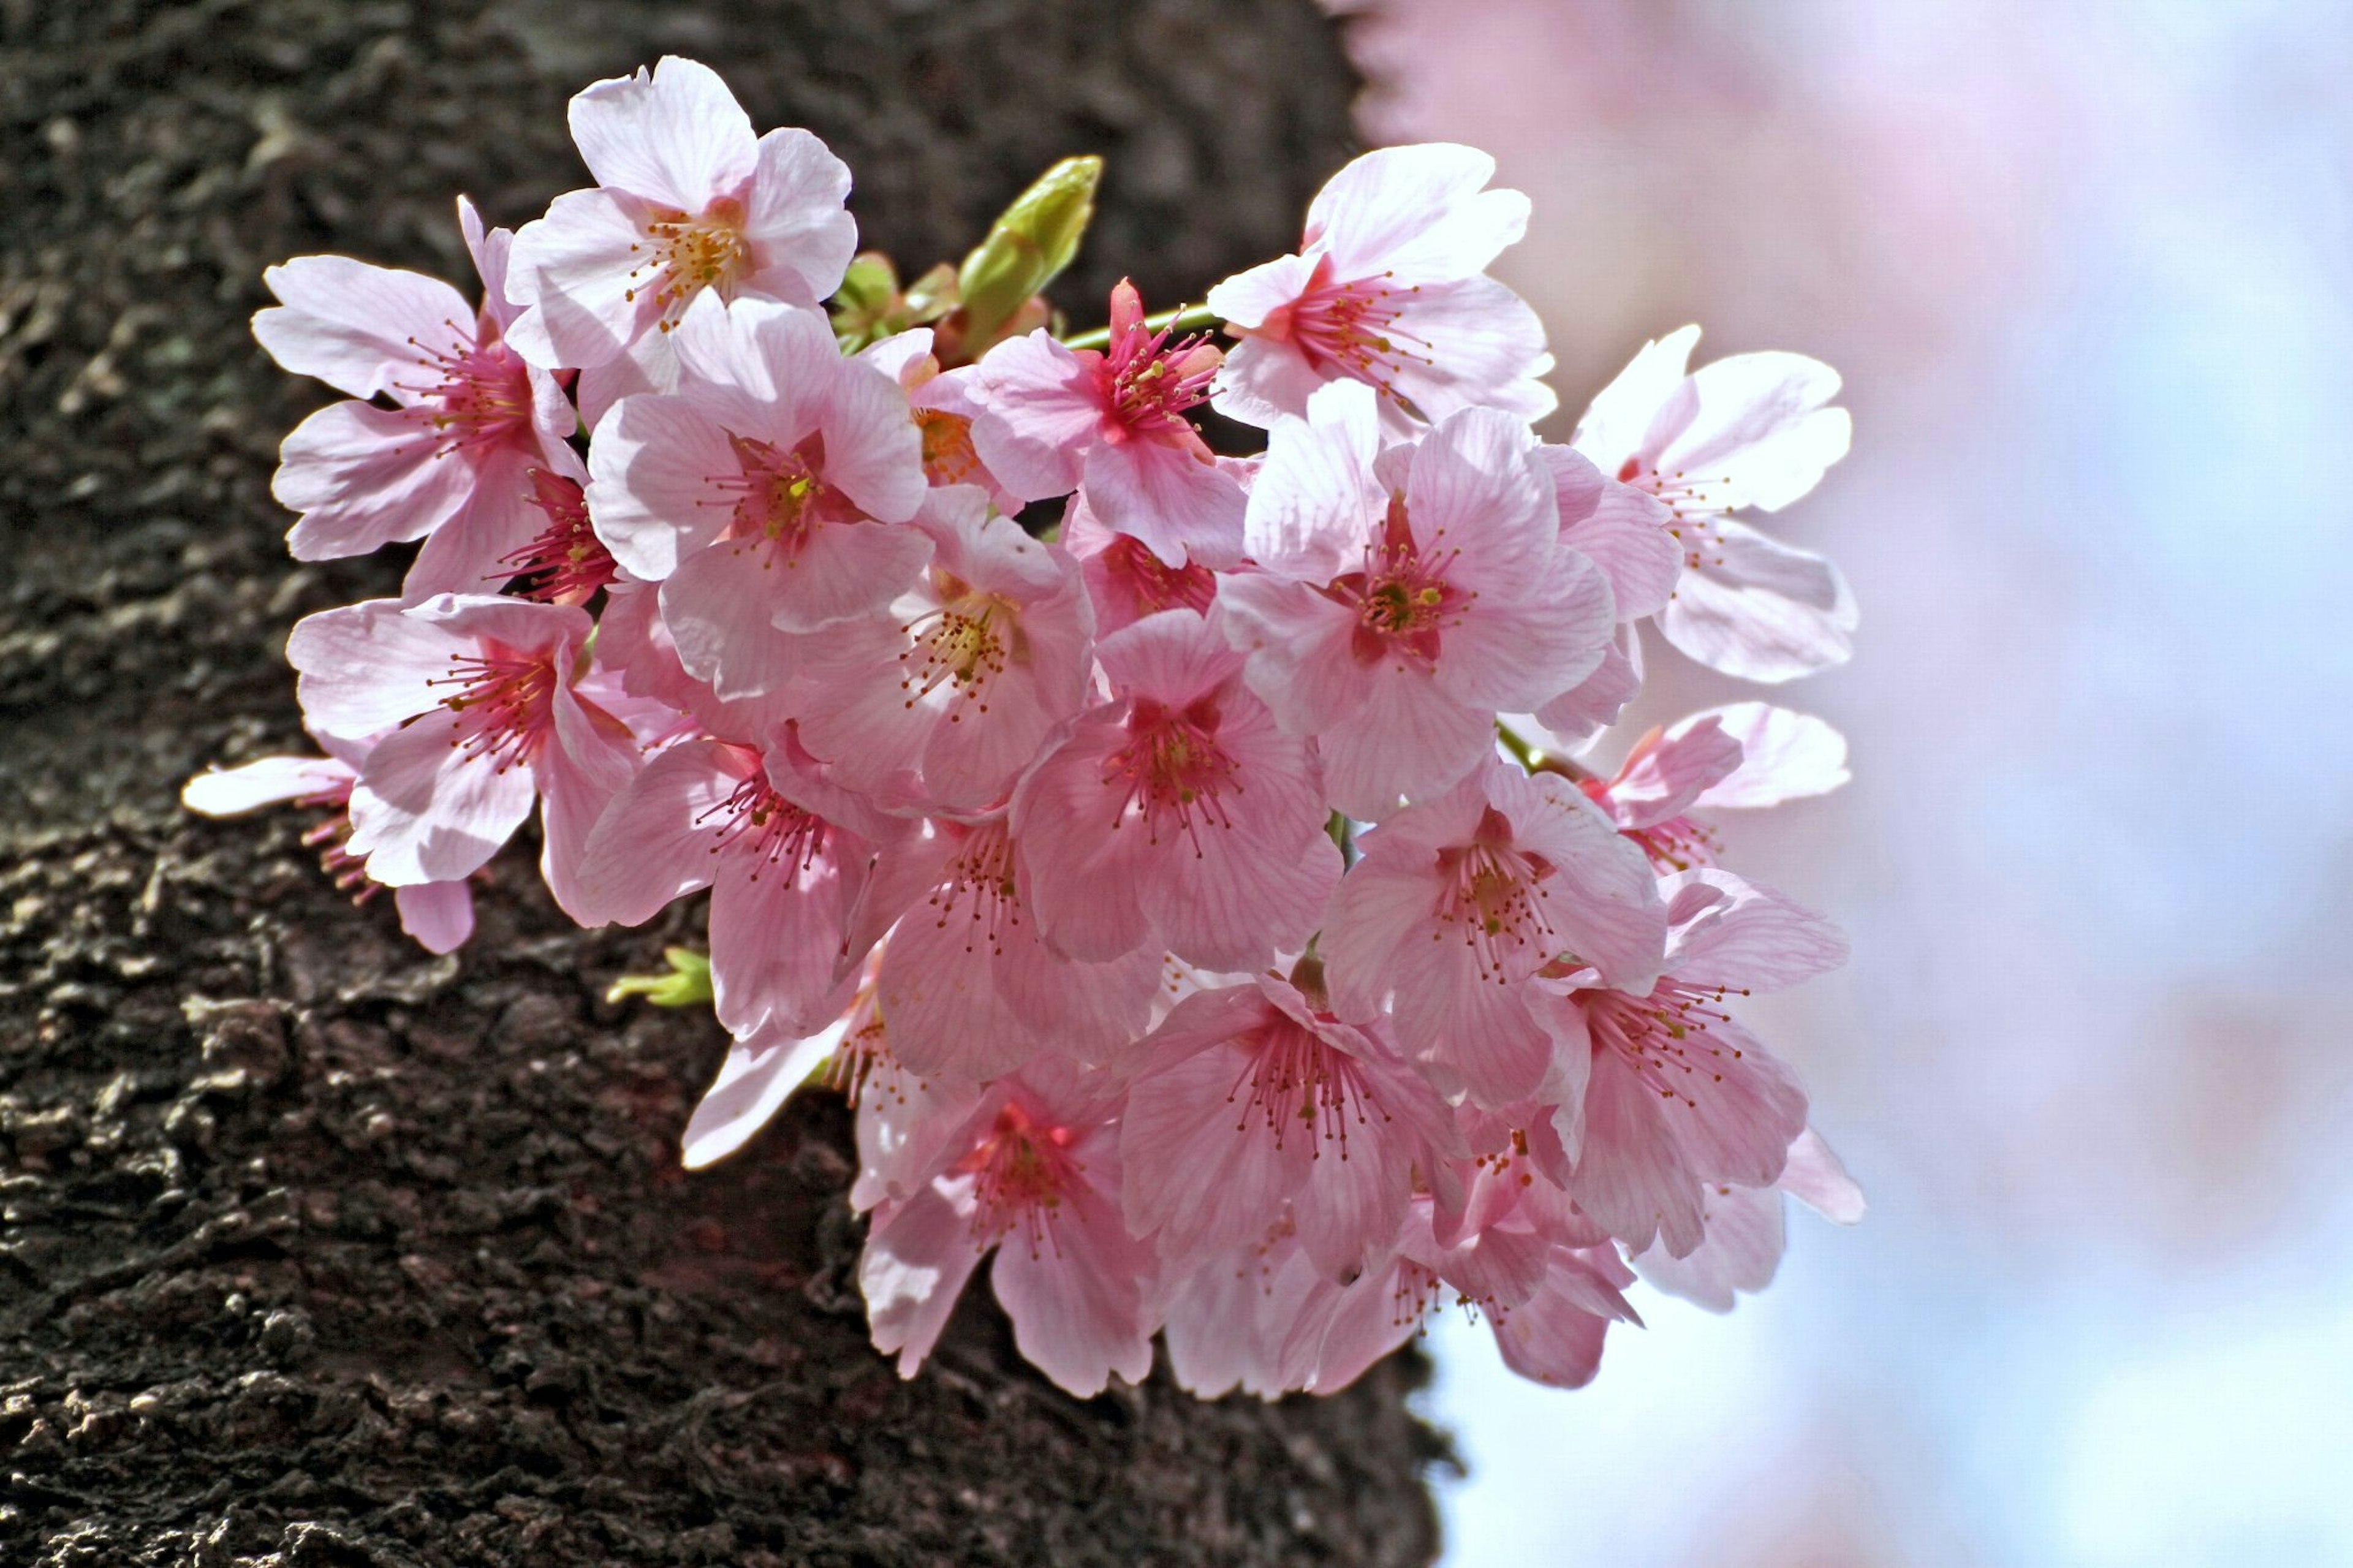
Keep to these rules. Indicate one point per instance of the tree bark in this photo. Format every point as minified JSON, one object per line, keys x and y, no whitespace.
{"x":319,"y":1250}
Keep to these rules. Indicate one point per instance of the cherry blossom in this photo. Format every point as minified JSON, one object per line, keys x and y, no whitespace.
{"x":1032,"y":1174}
{"x":1396,"y":611}
{"x":468,"y":421}
{"x":1389,"y":288}
{"x":1177,"y":816}
{"x":1665,"y":1091}
{"x":688,"y":201}
{"x":482,"y":700}
{"x":1458,"y":902}
{"x":785,"y":852}
{"x":1112,"y":426}
{"x":1197,"y":899}
{"x":958,"y":683}
{"x":763,"y":494}
{"x":1749,"y":431}
{"x":440,"y":915}
{"x":1255,"y":1101}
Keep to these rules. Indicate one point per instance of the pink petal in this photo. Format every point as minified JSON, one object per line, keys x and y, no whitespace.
{"x":657,"y":841}
{"x":1623,"y":530}
{"x":574,"y":270}
{"x":1475,"y":487}
{"x":1079,"y":1308}
{"x":1415,"y":213}
{"x":440,"y":915}
{"x":1743,"y":1249}
{"x":917,"y":1260}
{"x":1265,"y":381}
{"x":365,"y":477}
{"x":758,"y":1076}
{"x":1756,"y":429}
{"x":719,"y":606}
{"x":425,"y":811}
{"x":1043,"y":407}
{"x":352,"y":324}
{"x":1409,"y":738}
{"x":1247,"y":299}
{"x":1315,"y":501}
{"x":1664,"y":776}
{"x":873,"y":453}
{"x":1816,"y":1177}
{"x":1556,"y":1338}
{"x":1784,"y":756}
{"x":1601,"y":899}
{"x":1576,"y":715}
{"x":776,"y":944}
{"x":1520,"y":653}
{"x":650,"y":495}
{"x":1170,"y":497}
{"x":803,"y":238}
{"x":1631,"y":1174}
{"x":1758,"y":609}
{"x":1753,"y":938}
{"x":1617,"y":425}
{"x":1487,"y":351}
{"x":677,"y":137}
{"x":265,"y":780}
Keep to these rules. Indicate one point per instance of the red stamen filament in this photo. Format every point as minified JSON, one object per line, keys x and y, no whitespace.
{"x":1664,"y":1035}
{"x":1173,"y":768}
{"x":1295,"y":1078}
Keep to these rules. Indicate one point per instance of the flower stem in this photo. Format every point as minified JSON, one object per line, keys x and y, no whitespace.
{"x":1517,"y":744}
{"x":1191,"y":318}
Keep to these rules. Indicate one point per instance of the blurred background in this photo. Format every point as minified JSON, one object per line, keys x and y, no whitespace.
{"x":2085,"y":267}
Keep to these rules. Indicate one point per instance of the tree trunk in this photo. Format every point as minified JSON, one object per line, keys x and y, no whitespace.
{"x":318,"y":1249}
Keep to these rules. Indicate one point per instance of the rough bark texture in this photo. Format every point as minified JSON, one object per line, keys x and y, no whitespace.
{"x":319,"y":1250}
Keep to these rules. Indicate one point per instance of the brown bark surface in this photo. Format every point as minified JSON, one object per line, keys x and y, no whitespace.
{"x":318,"y":1249}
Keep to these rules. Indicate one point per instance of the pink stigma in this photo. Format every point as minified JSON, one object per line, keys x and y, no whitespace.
{"x":1663,"y":1037}
{"x":1150,"y":381}
{"x":1403,"y":602}
{"x":504,"y":707}
{"x":1294,"y":1077}
{"x":754,"y":820}
{"x":1022,"y":1172}
{"x":1173,"y":769}
{"x":481,"y":396}
{"x":567,"y":563}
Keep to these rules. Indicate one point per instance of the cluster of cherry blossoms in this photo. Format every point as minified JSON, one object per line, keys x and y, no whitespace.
{"x":1191,"y":883}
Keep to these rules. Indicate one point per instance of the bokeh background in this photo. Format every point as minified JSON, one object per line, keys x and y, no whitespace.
{"x":2086,"y":267}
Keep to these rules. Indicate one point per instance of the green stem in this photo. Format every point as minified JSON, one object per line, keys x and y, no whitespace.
{"x":1517,"y":744}
{"x":1191,"y":318}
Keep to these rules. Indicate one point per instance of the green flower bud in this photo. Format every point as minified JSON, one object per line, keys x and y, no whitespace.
{"x":688,"y":984}
{"x":1026,"y":249}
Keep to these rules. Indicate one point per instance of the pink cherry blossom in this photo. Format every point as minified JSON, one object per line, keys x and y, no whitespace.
{"x":968,"y":985}
{"x":479,"y":703}
{"x":1397,"y":612}
{"x":1253,"y":1100}
{"x":1749,"y":431}
{"x":1125,"y":581}
{"x":469,"y":418}
{"x":1746,"y":755}
{"x":1389,"y":288}
{"x":1032,"y":1174}
{"x":960,"y":681}
{"x":1457,"y":902}
{"x":1745,"y":1228}
{"x":945,"y":403}
{"x":785,"y":852}
{"x":565,"y":562}
{"x":688,"y":201}
{"x":1112,"y":427}
{"x":1177,"y":816}
{"x":440,"y":915}
{"x":1548,"y":1304}
{"x":764,"y":494}
{"x":1665,"y":1093}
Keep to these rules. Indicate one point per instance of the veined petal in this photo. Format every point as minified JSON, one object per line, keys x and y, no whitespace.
{"x":358,"y":326}
{"x":676,"y":136}
{"x":1756,"y":609}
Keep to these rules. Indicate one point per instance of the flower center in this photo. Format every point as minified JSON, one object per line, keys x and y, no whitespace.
{"x":775,"y":499}
{"x":1172,"y":769}
{"x":1152,"y":582}
{"x":949,"y":456}
{"x":481,"y":394}
{"x":981,"y":876}
{"x":1294,"y":1077}
{"x":1151,"y":382}
{"x":755,"y":821}
{"x":503,"y":706}
{"x":1022,"y":1172}
{"x":1663,"y":1037}
{"x":1353,"y":327}
{"x":567,"y":562}
{"x":1496,"y":898}
{"x":1403,"y":602}
{"x":963,"y":644}
{"x":684,"y":255}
